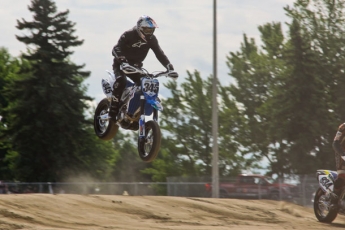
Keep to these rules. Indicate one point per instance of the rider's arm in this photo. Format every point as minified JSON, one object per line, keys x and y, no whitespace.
{"x":162,"y":58}
{"x":117,"y":50}
{"x":337,"y":139}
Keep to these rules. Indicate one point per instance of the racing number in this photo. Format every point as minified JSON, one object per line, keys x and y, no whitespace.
{"x":151,"y":87}
{"x":106,"y":87}
{"x":325,"y":182}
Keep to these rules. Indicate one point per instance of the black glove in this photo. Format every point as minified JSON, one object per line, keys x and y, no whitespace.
{"x":170,"y":67}
{"x":121,"y":59}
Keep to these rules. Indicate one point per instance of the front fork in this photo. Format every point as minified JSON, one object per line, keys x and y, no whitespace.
{"x":142,"y":117}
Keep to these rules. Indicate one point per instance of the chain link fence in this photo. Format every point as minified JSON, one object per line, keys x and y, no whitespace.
{"x":304,"y":187}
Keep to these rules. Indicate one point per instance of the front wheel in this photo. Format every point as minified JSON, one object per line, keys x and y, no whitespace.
{"x":104,"y":129}
{"x":149,"y":146}
{"x":322,"y":209}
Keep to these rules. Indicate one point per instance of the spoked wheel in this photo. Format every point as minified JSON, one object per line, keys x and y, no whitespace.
{"x":322,"y":209}
{"x":148,"y":147}
{"x":104,"y":129}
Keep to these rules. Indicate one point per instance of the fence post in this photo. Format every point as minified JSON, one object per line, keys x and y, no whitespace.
{"x":303,"y":190}
{"x":50,"y":188}
{"x":280,"y":188}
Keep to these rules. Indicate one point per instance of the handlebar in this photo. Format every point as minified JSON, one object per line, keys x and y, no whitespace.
{"x":171,"y":74}
{"x":128,"y":69}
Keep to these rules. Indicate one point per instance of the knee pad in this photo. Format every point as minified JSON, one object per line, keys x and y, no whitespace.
{"x":119,"y":86}
{"x":120,"y":83}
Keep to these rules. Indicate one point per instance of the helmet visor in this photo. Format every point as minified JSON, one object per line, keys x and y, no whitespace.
{"x":147,"y":30}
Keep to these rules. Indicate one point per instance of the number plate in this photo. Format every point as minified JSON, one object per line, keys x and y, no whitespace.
{"x":150,"y":87}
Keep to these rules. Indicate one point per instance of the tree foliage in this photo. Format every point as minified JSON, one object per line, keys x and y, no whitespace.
{"x":9,"y":69}
{"x":47,"y":126}
{"x":128,"y":165}
{"x":289,"y":91}
{"x":187,"y":125}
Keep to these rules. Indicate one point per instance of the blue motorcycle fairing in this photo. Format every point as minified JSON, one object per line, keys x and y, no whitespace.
{"x":134,"y":104}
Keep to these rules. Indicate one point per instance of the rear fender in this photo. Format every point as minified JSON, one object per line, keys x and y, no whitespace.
{"x":107,"y":84}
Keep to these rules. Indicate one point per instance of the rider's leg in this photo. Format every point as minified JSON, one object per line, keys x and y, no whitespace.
{"x":339,"y":182}
{"x":118,"y":88}
{"x":338,"y":185}
{"x":135,"y":78}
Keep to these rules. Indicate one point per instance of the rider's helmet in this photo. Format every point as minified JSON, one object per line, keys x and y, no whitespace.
{"x":146,"y":26}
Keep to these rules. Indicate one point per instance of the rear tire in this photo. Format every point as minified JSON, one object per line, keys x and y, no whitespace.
{"x":149,"y":147}
{"x":321,"y":208}
{"x":105,"y":130}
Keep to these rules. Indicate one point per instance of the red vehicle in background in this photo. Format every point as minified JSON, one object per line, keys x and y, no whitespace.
{"x":253,"y":186}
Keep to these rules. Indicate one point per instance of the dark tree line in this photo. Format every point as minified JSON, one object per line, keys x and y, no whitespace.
{"x":44,"y":121}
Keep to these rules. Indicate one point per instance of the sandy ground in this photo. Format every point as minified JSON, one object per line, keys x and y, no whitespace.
{"x":64,"y":211}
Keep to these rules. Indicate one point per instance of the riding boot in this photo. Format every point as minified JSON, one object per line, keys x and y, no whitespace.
{"x":114,"y":107}
{"x":115,"y":100}
{"x":118,"y":87}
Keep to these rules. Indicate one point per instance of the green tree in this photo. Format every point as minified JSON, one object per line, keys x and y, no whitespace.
{"x":322,"y":22}
{"x":254,"y":72}
{"x":187,"y":129}
{"x":167,"y":164}
{"x":289,"y":93}
{"x":128,"y":165}
{"x":9,"y":69}
{"x":297,"y":92}
{"x":47,"y":126}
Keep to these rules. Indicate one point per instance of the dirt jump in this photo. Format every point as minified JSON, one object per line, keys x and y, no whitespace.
{"x":67,"y":211}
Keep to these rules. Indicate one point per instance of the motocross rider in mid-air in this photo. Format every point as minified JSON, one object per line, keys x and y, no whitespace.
{"x":132,"y":48}
{"x":339,"y":149}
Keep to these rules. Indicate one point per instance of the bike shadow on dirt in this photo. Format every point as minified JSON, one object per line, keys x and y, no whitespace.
{"x":338,"y":225}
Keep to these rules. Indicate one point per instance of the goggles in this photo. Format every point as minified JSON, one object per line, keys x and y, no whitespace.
{"x":147,"y":30}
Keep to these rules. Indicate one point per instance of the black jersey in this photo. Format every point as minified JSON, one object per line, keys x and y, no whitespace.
{"x":135,"y":49}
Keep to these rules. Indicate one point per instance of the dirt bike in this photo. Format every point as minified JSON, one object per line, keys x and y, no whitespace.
{"x":327,"y":205}
{"x":137,"y":102}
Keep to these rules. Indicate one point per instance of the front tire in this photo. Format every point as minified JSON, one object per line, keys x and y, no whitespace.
{"x":322,"y":207}
{"x":148,"y":147}
{"x":104,"y":129}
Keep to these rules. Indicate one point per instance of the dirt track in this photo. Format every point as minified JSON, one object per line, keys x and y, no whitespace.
{"x":45,"y":211}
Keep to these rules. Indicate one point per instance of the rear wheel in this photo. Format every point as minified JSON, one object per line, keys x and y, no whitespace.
{"x":104,"y":129}
{"x":322,"y":209}
{"x":149,"y":146}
